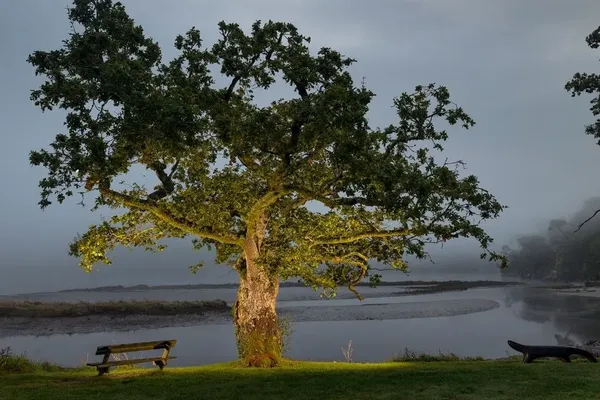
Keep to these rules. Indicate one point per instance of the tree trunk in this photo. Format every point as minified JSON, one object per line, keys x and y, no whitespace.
{"x":256,"y":325}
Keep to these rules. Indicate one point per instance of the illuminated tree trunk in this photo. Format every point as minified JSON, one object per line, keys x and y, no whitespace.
{"x":256,"y":325}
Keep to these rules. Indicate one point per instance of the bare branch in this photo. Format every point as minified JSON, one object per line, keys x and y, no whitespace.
{"x":586,"y":221}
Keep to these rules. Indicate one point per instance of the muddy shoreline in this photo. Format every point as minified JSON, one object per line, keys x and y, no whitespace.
{"x":27,"y":326}
{"x":26,"y":315}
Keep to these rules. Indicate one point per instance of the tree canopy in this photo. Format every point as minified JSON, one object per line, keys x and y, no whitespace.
{"x":126,"y":107}
{"x":242,"y":177}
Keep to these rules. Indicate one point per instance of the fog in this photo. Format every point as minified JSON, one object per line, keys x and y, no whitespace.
{"x":505,"y":62}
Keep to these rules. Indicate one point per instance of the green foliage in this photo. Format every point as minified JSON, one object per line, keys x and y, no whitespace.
{"x":559,"y":253}
{"x":231,"y":171}
{"x":589,"y":84}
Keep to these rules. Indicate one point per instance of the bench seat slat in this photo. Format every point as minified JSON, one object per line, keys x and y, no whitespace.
{"x":129,"y":347}
{"x":128,"y":362}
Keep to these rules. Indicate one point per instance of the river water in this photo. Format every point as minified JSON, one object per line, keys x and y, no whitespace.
{"x":388,"y":325}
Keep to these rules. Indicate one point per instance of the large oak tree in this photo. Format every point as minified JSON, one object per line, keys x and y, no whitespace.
{"x":243,"y":178}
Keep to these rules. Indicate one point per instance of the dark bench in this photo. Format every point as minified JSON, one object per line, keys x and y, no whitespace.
{"x":106,"y":351}
{"x":563,"y":353}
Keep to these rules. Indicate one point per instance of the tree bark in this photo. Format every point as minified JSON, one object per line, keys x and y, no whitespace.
{"x":255,"y":318}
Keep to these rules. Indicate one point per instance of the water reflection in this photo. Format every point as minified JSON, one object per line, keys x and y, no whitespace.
{"x":568,"y":313}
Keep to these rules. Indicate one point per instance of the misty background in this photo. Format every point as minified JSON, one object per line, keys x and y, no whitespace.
{"x":505,"y":62}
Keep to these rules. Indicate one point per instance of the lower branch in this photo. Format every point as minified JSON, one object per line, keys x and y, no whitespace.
{"x":359,"y":236}
{"x":363,"y":270}
{"x":168,"y":218}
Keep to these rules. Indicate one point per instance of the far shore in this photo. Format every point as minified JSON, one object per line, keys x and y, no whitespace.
{"x":417,"y":286}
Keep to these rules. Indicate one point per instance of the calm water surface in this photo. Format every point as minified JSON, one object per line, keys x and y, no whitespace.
{"x":525,"y":315}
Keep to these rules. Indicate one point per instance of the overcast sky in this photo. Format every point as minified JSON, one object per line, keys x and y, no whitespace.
{"x":505,"y":61}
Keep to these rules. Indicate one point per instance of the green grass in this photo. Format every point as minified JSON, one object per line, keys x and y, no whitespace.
{"x":306,"y":380}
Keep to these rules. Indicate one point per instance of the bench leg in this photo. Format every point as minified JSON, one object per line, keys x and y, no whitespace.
{"x":165,"y":356}
{"x":104,"y":370}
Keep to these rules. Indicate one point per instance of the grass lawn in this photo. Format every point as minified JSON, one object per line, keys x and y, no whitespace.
{"x":328,"y":381}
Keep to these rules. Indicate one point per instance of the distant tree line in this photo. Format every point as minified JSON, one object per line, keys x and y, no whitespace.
{"x":567,"y":251}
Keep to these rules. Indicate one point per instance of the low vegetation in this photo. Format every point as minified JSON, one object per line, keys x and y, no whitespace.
{"x":412,"y":356}
{"x":37,"y":309}
{"x":14,"y":364}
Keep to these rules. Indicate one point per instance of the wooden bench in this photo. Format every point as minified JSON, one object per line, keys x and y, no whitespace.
{"x":563,"y":353}
{"x":106,"y":351}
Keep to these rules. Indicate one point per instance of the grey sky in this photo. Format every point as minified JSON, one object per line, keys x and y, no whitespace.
{"x":505,"y":61}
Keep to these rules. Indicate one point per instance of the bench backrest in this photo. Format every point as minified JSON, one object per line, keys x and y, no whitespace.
{"x":128,"y":347}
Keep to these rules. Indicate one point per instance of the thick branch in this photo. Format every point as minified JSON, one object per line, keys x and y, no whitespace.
{"x":327,"y":201}
{"x":166,"y":180}
{"x":257,"y":212}
{"x":296,"y":128}
{"x":359,"y":236}
{"x":168,"y":218}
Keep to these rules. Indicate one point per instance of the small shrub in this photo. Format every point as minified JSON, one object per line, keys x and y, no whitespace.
{"x":19,"y":364}
{"x":412,"y":356}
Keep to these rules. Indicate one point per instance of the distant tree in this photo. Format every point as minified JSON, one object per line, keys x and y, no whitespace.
{"x":559,"y":254}
{"x":589,"y":83}
{"x":242,"y":177}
